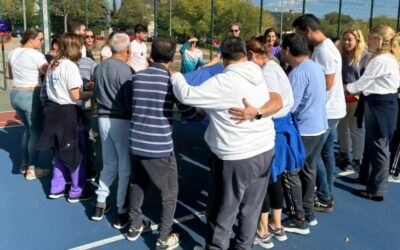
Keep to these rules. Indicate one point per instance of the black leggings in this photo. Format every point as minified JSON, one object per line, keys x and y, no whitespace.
{"x":274,"y":196}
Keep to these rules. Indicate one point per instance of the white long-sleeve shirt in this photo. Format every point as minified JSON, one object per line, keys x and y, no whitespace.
{"x":226,"y":139}
{"x":381,"y":76}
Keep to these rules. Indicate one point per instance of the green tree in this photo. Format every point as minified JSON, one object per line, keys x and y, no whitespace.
{"x":132,"y":12}
{"x":13,"y":12}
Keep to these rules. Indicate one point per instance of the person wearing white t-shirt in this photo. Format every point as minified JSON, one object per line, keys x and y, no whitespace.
{"x":25,"y":66}
{"x":287,"y":136}
{"x":326,"y":54}
{"x":138,"y":49}
{"x":379,"y":84}
{"x":61,"y":131}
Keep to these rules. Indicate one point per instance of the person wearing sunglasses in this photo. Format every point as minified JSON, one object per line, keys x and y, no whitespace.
{"x":192,"y":58}
{"x":90,"y":43}
{"x":234,"y":31}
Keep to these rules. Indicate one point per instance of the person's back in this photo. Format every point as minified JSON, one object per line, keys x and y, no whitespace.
{"x":308,"y":82}
{"x":112,"y":95}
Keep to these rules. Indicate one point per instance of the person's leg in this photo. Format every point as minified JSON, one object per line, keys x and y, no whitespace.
{"x":293,"y":194}
{"x":138,"y":185}
{"x":321,"y":178}
{"x":329,"y":156}
{"x":78,"y":180}
{"x":343,"y":130}
{"x":357,"y":134}
{"x":60,"y":173}
{"x":163,"y":172}
{"x":255,"y":189}
{"x":119,"y":130}
{"x":276,"y":193}
{"x":110,"y":161}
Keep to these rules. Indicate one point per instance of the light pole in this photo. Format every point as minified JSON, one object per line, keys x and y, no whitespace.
{"x":281,"y":28}
{"x":24,"y":13}
{"x":170,"y":17}
{"x":261,"y":15}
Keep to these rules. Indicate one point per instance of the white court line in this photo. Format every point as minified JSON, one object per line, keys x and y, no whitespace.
{"x":11,"y":126}
{"x":154,"y":227}
{"x":185,"y":158}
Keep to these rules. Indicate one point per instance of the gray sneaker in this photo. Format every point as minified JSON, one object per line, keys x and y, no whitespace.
{"x":172,"y":242}
{"x":310,"y":218}
{"x":278,"y":233}
{"x":264,"y":242}
{"x":394,"y":179}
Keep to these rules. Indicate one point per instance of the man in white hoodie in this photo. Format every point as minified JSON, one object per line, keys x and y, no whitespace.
{"x":242,"y":152}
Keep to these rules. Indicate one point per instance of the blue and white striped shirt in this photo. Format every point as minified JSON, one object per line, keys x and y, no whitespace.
{"x":150,"y":133}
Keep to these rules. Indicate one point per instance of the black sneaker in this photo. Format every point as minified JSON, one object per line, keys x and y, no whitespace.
{"x":86,"y":195}
{"x":295,"y":226}
{"x":172,"y":242}
{"x":58,"y":195}
{"x":311,"y":220}
{"x":91,"y":176}
{"x":323,"y":206}
{"x":99,"y":212}
{"x":354,"y":165}
{"x":134,"y":233}
{"x":122,"y":221}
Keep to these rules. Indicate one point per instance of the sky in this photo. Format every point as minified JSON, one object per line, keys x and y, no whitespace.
{"x":358,"y":9}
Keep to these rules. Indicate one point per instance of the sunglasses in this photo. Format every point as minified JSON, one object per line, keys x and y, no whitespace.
{"x":234,"y":31}
{"x":89,"y":36}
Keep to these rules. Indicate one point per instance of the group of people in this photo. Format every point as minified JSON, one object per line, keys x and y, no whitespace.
{"x":275,"y":112}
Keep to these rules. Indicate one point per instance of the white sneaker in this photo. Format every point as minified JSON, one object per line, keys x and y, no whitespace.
{"x":394,"y":179}
{"x":171,"y":243}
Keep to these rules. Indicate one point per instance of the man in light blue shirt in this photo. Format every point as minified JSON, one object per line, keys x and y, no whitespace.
{"x":308,"y":83}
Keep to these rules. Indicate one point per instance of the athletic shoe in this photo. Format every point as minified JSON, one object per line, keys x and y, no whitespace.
{"x":354,"y":165}
{"x":342,"y":160}
{"x":122,"y":221}
{"x":366,"y":195}
{"x":394,"y":179}
{"x":264,"y":242}
{"x":134,"y":233}
{"x":86,"y":195}
{"x":58,"y":195}
{"x":36,"y":173}
{"x":99,"y":212}
{"x":311,"y":220}
{"x":23,"y":168}
{"x":172,"y":242}
{"x":323,"y":206}
{"x":295,"y":226}
{"x":277,"y":233}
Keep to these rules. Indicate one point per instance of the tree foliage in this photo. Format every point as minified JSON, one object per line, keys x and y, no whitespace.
{"x":13,"y":12}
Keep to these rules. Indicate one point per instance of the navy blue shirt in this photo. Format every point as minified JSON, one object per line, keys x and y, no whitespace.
{"x":150,"y":133}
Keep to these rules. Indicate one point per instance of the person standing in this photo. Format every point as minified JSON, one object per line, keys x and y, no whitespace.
{"x":351,"y":137}
{"x":25,"y":66}
{"x":112,"y":90}
{"x":326,"y":54}
{"x":90,"y":43}
{"x":191,"y":57}
{"x":242,"y":152}
{"x":379,"y":85}
{"x":309,"y":92}
{"x":138,"y":60}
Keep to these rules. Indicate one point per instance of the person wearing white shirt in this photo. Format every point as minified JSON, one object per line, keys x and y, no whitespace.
{"x":139,"y":49}
{"x":25,"y":66}
{"x":379,"y":84}
{"x":326,"y":54}
{"x":243,"y":152}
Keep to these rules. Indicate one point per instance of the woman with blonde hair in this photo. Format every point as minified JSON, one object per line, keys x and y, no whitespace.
{"x":351,"y":137}
{"x":379,"y":85}
{"x":25,"y":66}
{"x":61,"y":128}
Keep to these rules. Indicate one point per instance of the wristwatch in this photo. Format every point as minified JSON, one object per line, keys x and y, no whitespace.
{"x":258,"y":115}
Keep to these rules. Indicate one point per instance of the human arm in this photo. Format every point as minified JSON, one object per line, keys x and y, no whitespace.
{"x":184,"y":46}
{"x":374,"y":70}
{"x":214,"y":61}
{"x":329,"y":80}
{"x":249,"y":112}
{"x":8,"y":73}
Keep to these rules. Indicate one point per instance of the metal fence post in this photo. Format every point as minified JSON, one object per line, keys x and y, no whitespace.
{"x":398,"y":18}
{"x":212,"y":29}
{"x":3,"y":55}
{"x":304,"y":7}
{"x":371,"y":15}
{"x":86,"y":14}
{"x":155,"y":18}
{"x":261,"y":16}
{"x":339,"y":19}
{"x":24,"y":13}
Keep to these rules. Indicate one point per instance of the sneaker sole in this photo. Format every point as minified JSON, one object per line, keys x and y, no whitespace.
{"x":56,"y":196}
{"x":97,"y":218}
{"x":263,"y":245}
{"x":297,"y":231}
{"x":120,"y":226}
{"x":323,"y":209}
{"x":393,"y":180}
{"x":133,"y":238}
{"x":168,"y":248}
{"x":78,"y":200}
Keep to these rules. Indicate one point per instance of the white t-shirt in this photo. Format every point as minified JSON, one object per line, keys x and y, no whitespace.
{"x":25,"y":64}
{"x":106,"y":52}
{"x":61,"y":80}
{"x":278,"y":82}
{"x":138,"y":56}
{"x":328,"y":57}
{"x":380,"y":77}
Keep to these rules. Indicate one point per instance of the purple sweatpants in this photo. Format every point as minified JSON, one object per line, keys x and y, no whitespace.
{"x":78,"y":177}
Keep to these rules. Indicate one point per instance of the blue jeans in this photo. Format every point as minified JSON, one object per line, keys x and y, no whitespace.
{"x":326,"y":164}
{"x":116,"y":159}
{"x":29,"y":109}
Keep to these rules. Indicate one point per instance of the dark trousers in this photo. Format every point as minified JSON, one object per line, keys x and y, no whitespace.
{"x":274,"y":196}
{"x":237,"y":189}
{"x":395,"y":147}
{"x":376,"y":159}
{"x":299,"y":185}
{"x":164,"y":175}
